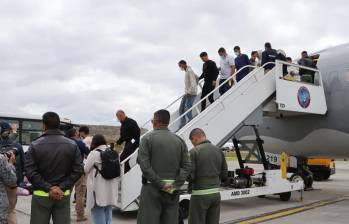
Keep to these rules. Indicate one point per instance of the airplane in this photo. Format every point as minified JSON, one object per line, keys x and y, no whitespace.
{"x":304,"y":119}
{"x":299,"y":133}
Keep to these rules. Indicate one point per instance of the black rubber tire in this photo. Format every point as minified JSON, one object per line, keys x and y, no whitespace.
{"x":319,"y":176}
{"x":286,"y":196}
{"x":327,"y":176}
{"x":308,"y":181}
{"x":261,"y":196}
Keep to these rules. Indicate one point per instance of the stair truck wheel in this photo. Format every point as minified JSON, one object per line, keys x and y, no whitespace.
{"x":327,"y":175}
{"x":308,"y":180}
{"x":319,"y":176}
{"x":285,"y":196}
{"x":261,"y":196}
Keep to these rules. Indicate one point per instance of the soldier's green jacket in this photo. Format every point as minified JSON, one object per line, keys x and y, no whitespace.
{"x":164,"y":156}
{"x":209,"y":166}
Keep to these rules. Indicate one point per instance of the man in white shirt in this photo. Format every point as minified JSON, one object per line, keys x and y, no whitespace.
{"x":227,"y":69}
{"x":191,"y":88}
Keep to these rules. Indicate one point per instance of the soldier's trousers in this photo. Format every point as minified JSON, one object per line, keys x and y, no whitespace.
{"x":204,"y":209}
{"x":43,"y":208}
{"x":157,"y":207}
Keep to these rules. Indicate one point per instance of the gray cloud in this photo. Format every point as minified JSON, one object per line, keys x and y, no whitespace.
{"x":87,"y":58}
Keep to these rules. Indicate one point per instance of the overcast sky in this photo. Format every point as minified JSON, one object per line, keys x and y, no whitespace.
{"x":87,"y":58}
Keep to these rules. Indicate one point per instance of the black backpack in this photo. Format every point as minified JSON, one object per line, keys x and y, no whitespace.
{"x":110,"y":164}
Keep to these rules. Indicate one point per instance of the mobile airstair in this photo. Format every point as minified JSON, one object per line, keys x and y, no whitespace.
{"x":261,"y":92}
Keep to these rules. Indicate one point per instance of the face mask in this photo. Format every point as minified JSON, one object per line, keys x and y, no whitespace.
{"x":237,"y":53}
{"x":182,"y":69}
{"x":222,"y":57}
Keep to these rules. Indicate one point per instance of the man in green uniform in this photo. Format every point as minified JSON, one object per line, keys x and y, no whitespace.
{"x":209,"y":167}
{"x":165,"y":163}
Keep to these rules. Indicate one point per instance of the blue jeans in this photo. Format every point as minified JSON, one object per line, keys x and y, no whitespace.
{"x":241,"y":75}
{"x":186,"y":104}
{"x":102,"y":215}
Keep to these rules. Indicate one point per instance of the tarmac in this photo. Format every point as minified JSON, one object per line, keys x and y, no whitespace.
{"x":328,"y":202}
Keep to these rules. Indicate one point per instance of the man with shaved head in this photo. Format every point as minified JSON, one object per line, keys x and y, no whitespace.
{"x":165,"y":164}
{"x":209,"y":168}
{"x":130,"y":134}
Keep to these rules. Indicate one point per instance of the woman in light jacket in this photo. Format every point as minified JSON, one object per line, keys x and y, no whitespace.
{"x":101,"y":193}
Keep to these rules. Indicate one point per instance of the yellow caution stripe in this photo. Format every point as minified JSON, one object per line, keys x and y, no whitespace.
{"x":45,"y":194}
{"x":205,"y":191}
{"x":285,"y":212}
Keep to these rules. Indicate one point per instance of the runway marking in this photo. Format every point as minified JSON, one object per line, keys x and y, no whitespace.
{"x":285,"y":212}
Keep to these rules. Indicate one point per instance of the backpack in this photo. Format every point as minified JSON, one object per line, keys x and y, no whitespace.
{"x":110,"y":164}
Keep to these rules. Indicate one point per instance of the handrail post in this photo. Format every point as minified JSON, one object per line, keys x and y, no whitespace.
{"x":122,"y":169}
{"x":197,"y":110}
{"x":200,"y":85}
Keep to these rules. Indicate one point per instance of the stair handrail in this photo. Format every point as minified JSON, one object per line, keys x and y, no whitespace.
{"x":170,"y":105}
{"x":234,"y":75}
{"x":122,"y":163}
{"x":173,"y":102}
{"x":296,"y":65}
{"x":303,"y":67}
{"x":212,"y":92}
{"x":209,"y":108}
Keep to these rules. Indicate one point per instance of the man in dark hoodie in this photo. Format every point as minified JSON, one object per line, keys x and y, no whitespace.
{"x":268,"y":55}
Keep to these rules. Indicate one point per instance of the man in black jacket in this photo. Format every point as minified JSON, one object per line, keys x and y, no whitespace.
{"x":269,"y":55}
{"x":209,"y":74}
{"x":53,"y":164}
{"x":130,"y":134}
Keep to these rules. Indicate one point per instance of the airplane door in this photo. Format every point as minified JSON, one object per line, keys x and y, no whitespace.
{"x":300,"y":96}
